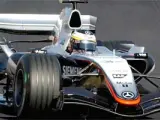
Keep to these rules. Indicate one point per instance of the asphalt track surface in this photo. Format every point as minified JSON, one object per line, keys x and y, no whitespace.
{"x":135,"y":20}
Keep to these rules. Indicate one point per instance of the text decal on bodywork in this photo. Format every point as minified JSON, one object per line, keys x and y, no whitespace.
{"x":70,"y":70}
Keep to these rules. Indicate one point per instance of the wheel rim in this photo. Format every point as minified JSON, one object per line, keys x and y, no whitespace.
{"x":19,"y":88}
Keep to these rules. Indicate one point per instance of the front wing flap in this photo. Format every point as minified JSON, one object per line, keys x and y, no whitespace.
{"x":150,"y":103}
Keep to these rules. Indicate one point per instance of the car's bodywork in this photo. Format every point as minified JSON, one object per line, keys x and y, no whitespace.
{"x":106,"y":79}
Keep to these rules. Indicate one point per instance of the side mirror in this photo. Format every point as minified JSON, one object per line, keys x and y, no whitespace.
{"x":74,"y":21}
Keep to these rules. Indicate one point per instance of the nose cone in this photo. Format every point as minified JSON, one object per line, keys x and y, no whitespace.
{"x":127,"y":98}
{"x":119,"y":79}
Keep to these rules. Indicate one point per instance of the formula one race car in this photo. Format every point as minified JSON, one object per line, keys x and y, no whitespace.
{"x":50,"y":77}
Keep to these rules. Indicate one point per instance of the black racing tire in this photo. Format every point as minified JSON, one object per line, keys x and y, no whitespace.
{"x":37,"y":83}
{"x":117,"y":44}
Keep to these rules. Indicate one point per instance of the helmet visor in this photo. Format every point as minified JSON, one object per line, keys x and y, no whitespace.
{"x":85,"y":45}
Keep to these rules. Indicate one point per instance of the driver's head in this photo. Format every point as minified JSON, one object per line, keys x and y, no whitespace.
{"x":83,"y":41}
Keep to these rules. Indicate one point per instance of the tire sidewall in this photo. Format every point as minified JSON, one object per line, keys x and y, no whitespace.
{"x":22,"y":65}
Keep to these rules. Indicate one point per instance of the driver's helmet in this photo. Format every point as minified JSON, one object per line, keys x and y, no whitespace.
{"x":83,"y":41}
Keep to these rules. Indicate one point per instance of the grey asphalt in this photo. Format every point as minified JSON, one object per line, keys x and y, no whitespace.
{"x":135,"y":20}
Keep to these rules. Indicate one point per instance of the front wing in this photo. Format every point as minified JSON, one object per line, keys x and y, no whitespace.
{"x":79,"y":96}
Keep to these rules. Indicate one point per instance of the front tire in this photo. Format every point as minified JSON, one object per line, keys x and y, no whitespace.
{"x":37,"y":83}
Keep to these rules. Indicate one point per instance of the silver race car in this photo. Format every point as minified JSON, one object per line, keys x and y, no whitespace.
{"x":51,"y":77}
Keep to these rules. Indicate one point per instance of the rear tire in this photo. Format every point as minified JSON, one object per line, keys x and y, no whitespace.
{"x":36,"y":84}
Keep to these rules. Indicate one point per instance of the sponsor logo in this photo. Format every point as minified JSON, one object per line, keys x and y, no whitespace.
{"x":119,"y":75}
{"x":124,"y":84}
{"x":141,"y":55}
{"x":127,"y":83}
{"x":40,"y":51}
{"x":107,"y":61}
{"x":122,"y":71}
{"x":87,"y":32}
{"x":128,"y":95}
{"x":69,"y":70}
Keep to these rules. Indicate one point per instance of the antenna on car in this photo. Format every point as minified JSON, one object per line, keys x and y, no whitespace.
{"x":74,"y":2}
